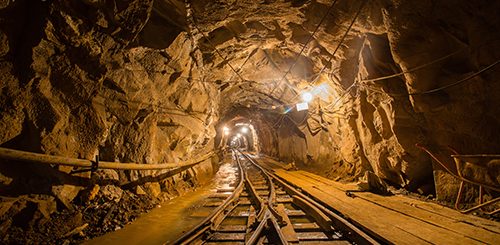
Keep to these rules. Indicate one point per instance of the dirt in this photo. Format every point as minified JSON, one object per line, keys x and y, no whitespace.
{"x":82,"y":222}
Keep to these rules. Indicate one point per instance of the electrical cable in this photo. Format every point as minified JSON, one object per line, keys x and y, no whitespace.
{"x":436,"y":89}
{"x":304,"y":47}
{"x":341,"y":40}
{"x":333,"y":53}
{"x":213,"y":46}
{"x":419,"y":67}
{"x":414,"y":68}
{"x":457,"y":82}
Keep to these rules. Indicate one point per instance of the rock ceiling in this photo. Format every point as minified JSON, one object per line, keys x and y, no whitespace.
{"x":264,"y":41}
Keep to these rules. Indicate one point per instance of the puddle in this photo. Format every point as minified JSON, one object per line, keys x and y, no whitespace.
{"x":167,"y":223}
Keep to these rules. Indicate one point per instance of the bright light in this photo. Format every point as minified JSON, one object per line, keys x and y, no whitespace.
{"x":307,"y":97}
{"x":244,"y":130}
{"x":302,"y":106}
{"x":226,"y":133}
{"x":225,"y":129}
{"x":238,"y":135}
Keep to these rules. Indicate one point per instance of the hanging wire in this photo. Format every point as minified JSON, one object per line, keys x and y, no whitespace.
{"x":304,"y":47}
{"x":457,"y":82}
{"x":332,"y":55}
{"x":436,"y":89}
{"x":216,"y":49}
{"x":341,"y":41}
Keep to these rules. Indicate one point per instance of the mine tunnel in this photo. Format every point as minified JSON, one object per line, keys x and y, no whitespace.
{"x":249,"y":122}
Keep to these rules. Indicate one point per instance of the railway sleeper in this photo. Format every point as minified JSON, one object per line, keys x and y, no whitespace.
{"x":227,"y":237}
{"x":232,"y":228}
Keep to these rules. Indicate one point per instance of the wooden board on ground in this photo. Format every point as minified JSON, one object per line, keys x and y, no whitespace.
{"x":399,"y":219}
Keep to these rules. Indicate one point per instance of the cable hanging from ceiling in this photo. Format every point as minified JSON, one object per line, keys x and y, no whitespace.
{"x":333,"y":53}
{"x":193,"y":20}
{"x":341,"y":41}
{"x":310,"y":38}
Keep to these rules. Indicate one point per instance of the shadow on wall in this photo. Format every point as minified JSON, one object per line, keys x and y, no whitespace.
{"x":164,"y":25}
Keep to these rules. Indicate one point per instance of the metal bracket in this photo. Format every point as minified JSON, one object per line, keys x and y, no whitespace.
{"x":94,"y":167}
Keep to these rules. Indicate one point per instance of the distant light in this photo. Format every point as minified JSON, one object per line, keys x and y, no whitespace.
{"x":238,"y":135}
{"x":226,"y":133}
{"x":225,"y":129}
{"x":307,"y":97}
{"x":273,"y":107}
{"x":288,"y":110}
{"x":302,"y":106}
{"x":244,"y":130}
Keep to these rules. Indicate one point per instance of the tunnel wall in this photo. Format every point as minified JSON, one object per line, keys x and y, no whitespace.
{"x":376,"y":124}
{"x":76,"y":82}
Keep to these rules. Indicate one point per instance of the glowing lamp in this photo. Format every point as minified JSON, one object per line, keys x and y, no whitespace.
{"x":302,"y":106}
{"x":307,"y":97}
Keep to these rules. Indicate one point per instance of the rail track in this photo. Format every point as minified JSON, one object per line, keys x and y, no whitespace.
{"x":263,"y":209}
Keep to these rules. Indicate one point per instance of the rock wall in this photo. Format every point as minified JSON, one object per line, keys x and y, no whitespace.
{"x":83,"y":78}
{"x":364,"y":125}
{"x":376,"y":124}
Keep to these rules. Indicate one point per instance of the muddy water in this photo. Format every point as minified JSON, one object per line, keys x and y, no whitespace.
{"x":168,"y":222}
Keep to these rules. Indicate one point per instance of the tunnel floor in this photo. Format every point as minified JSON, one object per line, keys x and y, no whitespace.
{"x":395,"y":219}
{"x":167,"y":222}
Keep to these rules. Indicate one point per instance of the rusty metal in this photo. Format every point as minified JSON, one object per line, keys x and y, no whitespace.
{"x":350,"y":231}
{"x":461,"y":160}
{"x":213,"y":220}
{"x":276,"y":213}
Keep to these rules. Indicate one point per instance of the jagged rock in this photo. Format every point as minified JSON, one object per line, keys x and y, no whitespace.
{"x":139,"y":191}
{"x":90,"y":193}
{"x":26,"y":211}
{"x":5,"y":180}
{"x":65,"y":194}
{"x":111,"y":192}
{"x":153,"y":188}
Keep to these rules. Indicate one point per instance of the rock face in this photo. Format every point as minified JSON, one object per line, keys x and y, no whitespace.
{"x":150,"y":81}
{"x":84,"y":78}
{"x":358,"y":124}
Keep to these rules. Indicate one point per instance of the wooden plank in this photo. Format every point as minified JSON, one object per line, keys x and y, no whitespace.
{"x":315,"y":236}
{"x":232,"y":228}
{"x":290,"y":212}
{"x":407,"y":206}
{"x":474,"y":227}
{"x":385,"y":222}
{"x":306,"y":227}
{"x":231,"y":236}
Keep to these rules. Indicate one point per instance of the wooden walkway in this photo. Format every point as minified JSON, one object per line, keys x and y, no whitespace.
{"x":398,"y":219}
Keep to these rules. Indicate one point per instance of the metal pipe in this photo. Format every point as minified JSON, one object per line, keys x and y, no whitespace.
{"x":24,"y":156}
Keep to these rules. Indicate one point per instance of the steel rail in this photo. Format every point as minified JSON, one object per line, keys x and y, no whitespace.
{"x":211,"y":220}
{"x":352,"y":232}
{"x":267,"y":215}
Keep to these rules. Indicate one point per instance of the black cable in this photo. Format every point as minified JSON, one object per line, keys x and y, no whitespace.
{"x":305,"y":45}
{"x":215,"y":48}
{"x":457,"y":82}
{"x":436,"y":89}
{"x":341,"y":40}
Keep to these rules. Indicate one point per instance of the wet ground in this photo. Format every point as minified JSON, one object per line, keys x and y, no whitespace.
{"x":169,"y":221}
